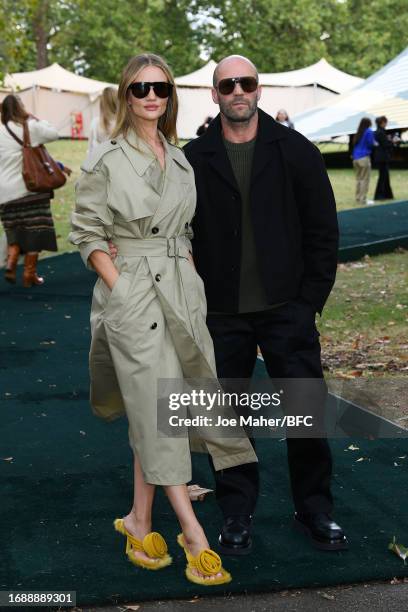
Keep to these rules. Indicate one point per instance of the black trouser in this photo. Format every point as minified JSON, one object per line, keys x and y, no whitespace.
{"x":289,"y":342}
{"x":383,"y":189}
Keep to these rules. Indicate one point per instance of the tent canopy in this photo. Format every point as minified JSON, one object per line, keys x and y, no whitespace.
{"x":321,"y":73}
{"x":57,"y":78}
{"x":384,"y":93}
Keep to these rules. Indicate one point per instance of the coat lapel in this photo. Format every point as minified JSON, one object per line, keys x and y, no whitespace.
{"x":177,"y":181}
{"x":211,"y":143}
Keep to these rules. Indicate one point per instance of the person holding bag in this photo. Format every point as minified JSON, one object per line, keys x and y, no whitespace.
{"x":26,"y":187}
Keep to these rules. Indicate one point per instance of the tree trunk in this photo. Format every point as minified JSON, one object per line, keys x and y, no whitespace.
{"x":41,"y":32}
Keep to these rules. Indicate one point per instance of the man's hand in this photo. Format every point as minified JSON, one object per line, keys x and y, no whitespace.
{"x":112,"y":250}
{"x":190,"y":259}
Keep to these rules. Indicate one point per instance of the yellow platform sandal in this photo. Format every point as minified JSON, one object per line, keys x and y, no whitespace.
{"x":153,"y":545}
{"x":207,"y":562}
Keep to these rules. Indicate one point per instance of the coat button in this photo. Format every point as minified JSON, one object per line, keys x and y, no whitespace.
{"x":153,"y":326}
{"x":155,"y":230}
{"x":158,"y":277}
{"x":113,"y":142}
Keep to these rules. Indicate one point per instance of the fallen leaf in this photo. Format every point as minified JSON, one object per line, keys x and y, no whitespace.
{"x":132,"y":607}
{"x":398,"y":549}
{"x":7,"y":458}
{"x":326,"y":596}
{"x":352,"y":447}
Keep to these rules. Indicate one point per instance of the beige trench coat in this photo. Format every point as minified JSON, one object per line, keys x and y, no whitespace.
{"x":152,"y":324}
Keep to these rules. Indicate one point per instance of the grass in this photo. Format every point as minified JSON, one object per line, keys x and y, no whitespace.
{"x":343,"y":182}
{"x":364,"y":325}
{"x":363,"y":329}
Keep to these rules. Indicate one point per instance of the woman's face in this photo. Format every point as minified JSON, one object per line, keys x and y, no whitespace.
{"x":282,"y":116}
{"x":150,"y":108}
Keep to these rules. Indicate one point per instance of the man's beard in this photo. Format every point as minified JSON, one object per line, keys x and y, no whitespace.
{"x":238,"y":116}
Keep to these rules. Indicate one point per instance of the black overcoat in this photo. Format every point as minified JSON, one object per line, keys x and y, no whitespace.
{"x":293,"y":213}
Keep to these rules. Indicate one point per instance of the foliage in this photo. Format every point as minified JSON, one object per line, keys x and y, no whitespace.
{"x":97,"y":38}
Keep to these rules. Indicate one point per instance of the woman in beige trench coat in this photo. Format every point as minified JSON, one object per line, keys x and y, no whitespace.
{"x":148,"y":309}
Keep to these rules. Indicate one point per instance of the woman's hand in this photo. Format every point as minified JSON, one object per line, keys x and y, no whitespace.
{"x":113,"y":250}
{"x":66,"y":170}
{"x":104,"y":267}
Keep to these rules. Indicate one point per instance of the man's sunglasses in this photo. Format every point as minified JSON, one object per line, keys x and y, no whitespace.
{"x":227,"y":86}
{"x":141,"y":89}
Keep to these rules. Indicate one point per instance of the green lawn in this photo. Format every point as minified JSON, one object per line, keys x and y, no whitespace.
{"x":364,"y":324}
{"x":365,"y":321}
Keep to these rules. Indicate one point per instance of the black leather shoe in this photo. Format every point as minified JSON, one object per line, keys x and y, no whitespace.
{"x":321,"y":530}
{"x":235,"y":536}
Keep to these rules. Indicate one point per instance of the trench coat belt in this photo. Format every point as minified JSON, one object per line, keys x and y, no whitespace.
{"x":176,"y":246}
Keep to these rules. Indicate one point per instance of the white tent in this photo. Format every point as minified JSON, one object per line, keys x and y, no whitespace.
{"x":384,"y":93}
{"x":57,"y":95}
{"x":295,"y":91}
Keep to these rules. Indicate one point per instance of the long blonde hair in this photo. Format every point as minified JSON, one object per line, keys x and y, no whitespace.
{"x":108,"y":106}
{"x":125,"y":118}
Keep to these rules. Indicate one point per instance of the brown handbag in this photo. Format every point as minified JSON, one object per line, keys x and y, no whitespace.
{"x":41,"y":172}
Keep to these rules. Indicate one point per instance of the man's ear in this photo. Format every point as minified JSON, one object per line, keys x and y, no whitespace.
{"x":259,"y":93}
{"x":214,"y":94}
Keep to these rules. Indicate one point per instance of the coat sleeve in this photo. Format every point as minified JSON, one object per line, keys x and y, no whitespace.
{"x":41,"y":132}
{"x":92,"y":220}
{"x":320,"y":234}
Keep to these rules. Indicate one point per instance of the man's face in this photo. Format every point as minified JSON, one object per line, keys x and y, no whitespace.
{"x":238,"y":106}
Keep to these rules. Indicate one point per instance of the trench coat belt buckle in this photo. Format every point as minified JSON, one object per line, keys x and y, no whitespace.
{"x":176,"y":247}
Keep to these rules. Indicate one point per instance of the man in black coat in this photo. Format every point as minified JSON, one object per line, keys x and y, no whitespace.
{"x":265,"y":243}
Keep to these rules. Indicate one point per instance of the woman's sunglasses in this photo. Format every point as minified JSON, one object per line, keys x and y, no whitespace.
{"x":141,"y":89}
{"x":227,"y":86}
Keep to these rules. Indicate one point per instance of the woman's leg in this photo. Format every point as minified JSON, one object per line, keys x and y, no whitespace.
{"x":13,"y":253}
{"x":193,"y":533}
{"x":357,"y":173}
{"x":30,"y":276}
{"x":139,"y":520}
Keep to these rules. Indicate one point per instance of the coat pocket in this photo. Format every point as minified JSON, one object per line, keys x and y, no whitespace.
{"x":115,"y":307}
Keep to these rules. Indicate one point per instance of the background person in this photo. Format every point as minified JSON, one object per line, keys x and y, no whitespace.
{"x":382,"y":158}
{"x":101,"y":127}
{"x":282,"y":117}
{"x":26,"y":216}
{"x":203,"y":127}
{"x":363,"y":145}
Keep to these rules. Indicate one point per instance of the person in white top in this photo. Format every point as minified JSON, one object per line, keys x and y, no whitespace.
{"x":282,"y":117}
{"x":101,"y":127}
{"x":26,"y":216}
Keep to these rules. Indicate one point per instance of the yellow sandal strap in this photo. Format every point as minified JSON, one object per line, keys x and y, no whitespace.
{"x":207,"y":562}
{"x":154,"y":545}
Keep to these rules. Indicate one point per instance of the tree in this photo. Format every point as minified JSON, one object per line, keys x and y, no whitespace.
{"x":364,"y":35}
{"x":103,"y":36}
{"x":277,"y":35}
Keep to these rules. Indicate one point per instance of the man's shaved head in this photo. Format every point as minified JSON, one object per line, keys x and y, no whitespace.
{"x":231,"y":64}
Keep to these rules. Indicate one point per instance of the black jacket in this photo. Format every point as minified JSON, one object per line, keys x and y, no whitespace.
{"x":383,"y":152}
{"x":293,"y":212}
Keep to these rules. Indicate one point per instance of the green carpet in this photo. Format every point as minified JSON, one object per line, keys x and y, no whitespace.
{"x":372,"y":230}
{"x":70,"y":476}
